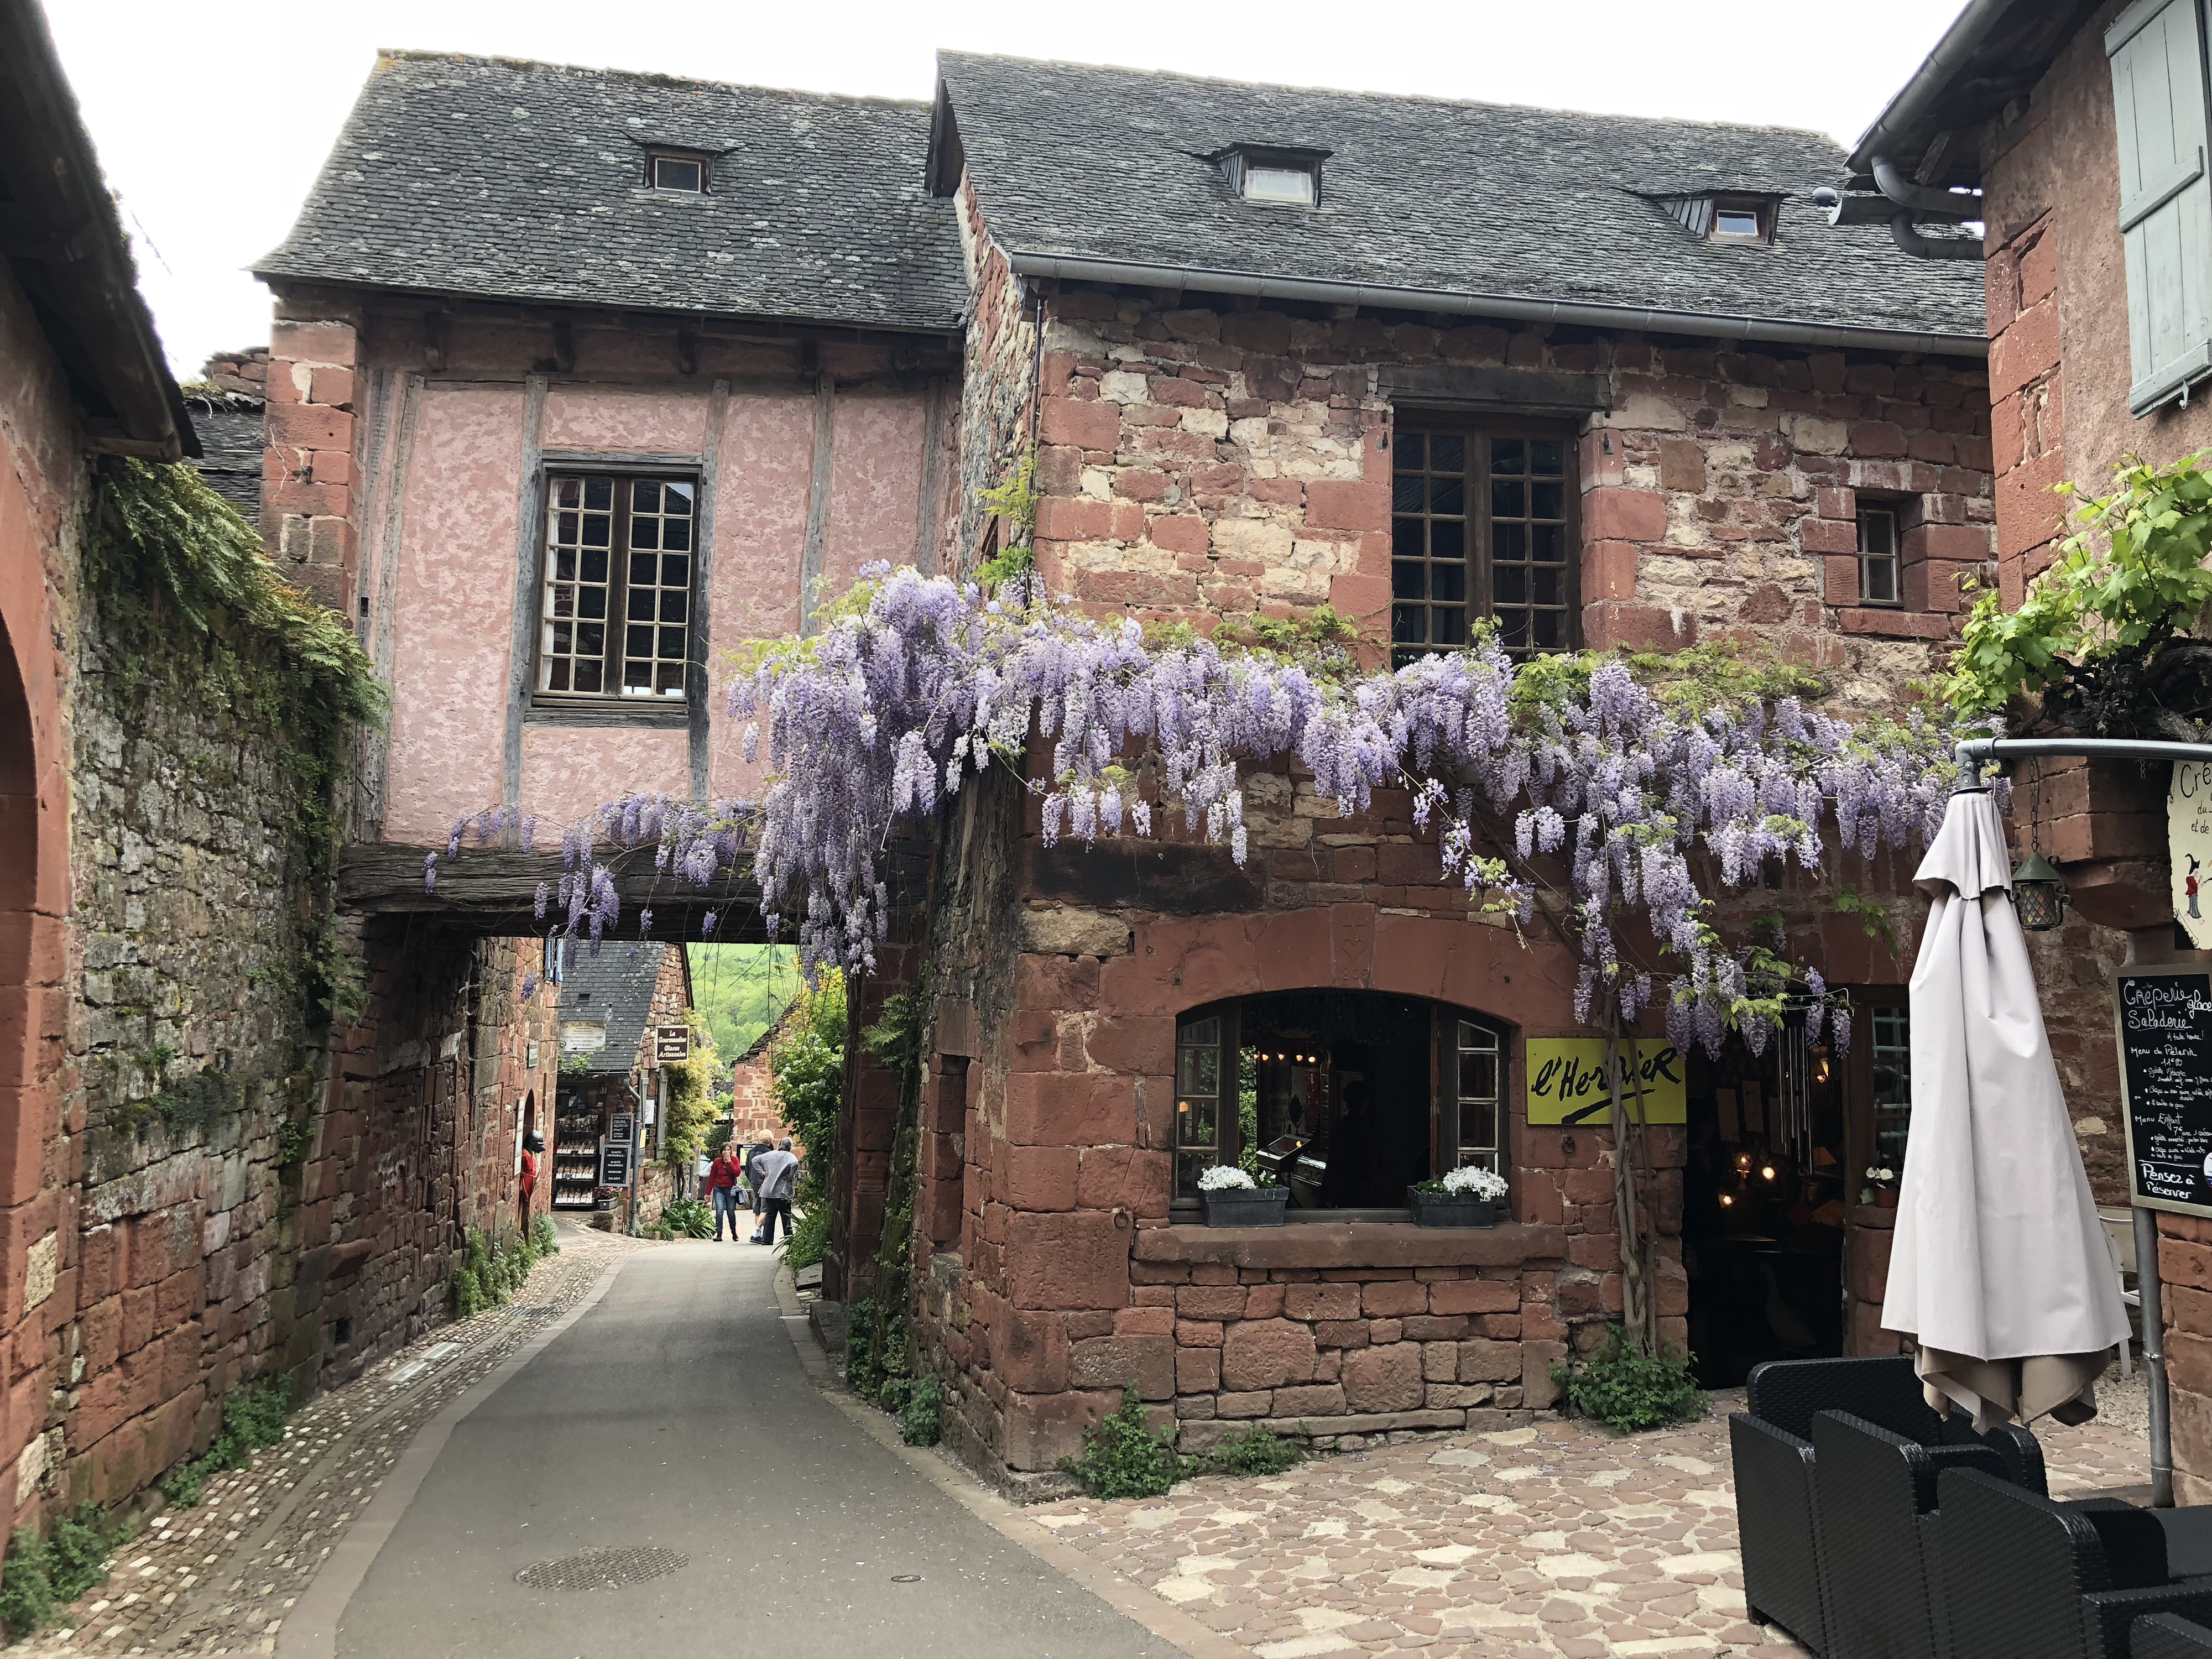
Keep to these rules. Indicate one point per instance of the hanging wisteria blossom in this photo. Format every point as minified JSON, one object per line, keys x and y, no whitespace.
{"x":1619,"y":800}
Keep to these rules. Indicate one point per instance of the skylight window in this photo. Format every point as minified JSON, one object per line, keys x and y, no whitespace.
{"x":1290,"y":178}
{"x":1279,"y":183}
{"x":1746,"y":219}
{"x":669,"y":170}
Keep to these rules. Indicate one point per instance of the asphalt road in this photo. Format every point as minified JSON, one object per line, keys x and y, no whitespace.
{"x":675,"y":1414}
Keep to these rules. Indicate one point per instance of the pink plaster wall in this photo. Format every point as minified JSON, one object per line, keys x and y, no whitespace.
{"x":760,"y":535}
{"x":875,"y":484}
{"x":652,"y":423}
{"x":568,"y":771}
{"x":454,"y":611}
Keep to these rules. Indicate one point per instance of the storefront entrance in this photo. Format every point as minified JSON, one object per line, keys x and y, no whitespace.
{"x":1773,"y":1218}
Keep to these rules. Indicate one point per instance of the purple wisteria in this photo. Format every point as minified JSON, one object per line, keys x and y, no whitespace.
{"x":1603,"y":797}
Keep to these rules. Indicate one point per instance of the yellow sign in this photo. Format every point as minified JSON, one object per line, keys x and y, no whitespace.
{"x":1567,"y":1081}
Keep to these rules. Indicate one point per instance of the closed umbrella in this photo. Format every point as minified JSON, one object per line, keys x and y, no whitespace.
{"x":1999,"y":1269}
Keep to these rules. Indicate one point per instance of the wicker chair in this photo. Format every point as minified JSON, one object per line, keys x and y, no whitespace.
{"x":1875,"y":1497}
{"x":1771,"y":1449}
{"x":2162,"y":1636}
{"x":2024,"y":1578}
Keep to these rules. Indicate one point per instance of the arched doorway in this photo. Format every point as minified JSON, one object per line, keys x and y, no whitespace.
{"x":19,"y":865}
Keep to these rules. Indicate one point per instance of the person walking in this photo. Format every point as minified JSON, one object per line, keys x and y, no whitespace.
{"x":774,"y":1180}
{"x":722,"y":1181}
{"x":532,"y":1143}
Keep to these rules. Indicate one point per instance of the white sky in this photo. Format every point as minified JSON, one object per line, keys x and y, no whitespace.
{"x":212,"y":118}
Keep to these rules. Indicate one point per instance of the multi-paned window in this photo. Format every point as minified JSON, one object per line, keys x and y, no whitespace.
{"x":1878,"y":583}
{"x":1479,"y":1095}
{"x":1892,"y":1051}
{"x":614,"y":614}
{"x":1480,"y":527}
{"x":1198,"y":1101}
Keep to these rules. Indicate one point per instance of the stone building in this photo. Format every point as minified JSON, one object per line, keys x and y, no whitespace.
{"x":754,"y":1115}
{"x":2078,"y":132}
{"x":1621,"y":385}
{"x":209,"y":1179}
{"x":621,"y":1013}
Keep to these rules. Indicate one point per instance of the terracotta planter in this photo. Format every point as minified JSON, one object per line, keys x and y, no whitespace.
{"x":1451,"y":1209}
{"x":1245,"y":1206}
{"x":1886,"y":1197}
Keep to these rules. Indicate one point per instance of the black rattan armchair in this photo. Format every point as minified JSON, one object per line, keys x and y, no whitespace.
{"x":1879,"y":1531}
{"x":1771,"y":1449}
{"x":2162,"y":1636}
{"x":2026,"y":1578}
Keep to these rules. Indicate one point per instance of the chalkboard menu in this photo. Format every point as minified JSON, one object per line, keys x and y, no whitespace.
{"x":2165,"y":1021}
{"x":613,"y":1165}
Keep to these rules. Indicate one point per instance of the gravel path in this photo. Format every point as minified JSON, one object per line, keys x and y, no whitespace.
{"x":216,"y":1578}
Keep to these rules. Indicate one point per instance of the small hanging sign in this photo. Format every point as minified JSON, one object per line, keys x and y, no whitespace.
{"x":2189,"y":848}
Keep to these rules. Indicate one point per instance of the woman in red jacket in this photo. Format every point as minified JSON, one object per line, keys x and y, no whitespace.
{"x":532,"y":1143}
{"x":722,"y":1181}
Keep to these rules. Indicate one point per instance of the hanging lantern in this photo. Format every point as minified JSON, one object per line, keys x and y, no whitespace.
{"x":2038,"y":894}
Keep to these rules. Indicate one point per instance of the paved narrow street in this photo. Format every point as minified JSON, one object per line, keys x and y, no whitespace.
{"x":675,"y":1414}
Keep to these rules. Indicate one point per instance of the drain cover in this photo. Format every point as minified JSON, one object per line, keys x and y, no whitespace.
{"x":602,"y":1569}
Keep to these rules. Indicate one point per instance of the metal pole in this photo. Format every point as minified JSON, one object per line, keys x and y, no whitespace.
{"x":1977,"y":752}
{"x":2154,"y":1341}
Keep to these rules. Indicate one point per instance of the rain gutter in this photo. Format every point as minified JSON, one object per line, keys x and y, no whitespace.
{"x":1971,"y":756}
{"x":1645,"y":318}
{"x":1930,"y":81}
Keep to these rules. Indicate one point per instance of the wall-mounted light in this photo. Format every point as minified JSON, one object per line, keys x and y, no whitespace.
{"x":1766,"y":1172}
{"x":2038,"y":894}
{"x":1727,"y":1200}
{"x":1820,"y":1064}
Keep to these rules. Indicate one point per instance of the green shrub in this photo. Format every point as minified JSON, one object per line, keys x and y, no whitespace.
{"x":1255,"y":1450}
{"x":27,"y":1592}
{"x":921,"y":1418}
{"x":545,"y":1236}
{"x":1629,"y":1392}
{"x":1123,"y":1456}
{"x":468,"y":1294}
{"x":252,"y":1418}
{"x":687,"y":1217}
{"x":809,"y":1236}
{"x":78,"y":1552}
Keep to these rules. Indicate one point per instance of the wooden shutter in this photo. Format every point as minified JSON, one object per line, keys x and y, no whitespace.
{"x":2158,"y":103}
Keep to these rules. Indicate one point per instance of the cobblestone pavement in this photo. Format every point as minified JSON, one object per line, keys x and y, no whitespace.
{"x":1550,"y":1540}
{"x":216,"y":1578}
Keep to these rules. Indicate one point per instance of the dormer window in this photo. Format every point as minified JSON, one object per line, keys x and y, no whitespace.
{"x":1747,"y":219}
{"x":1290,"y":178}
{"x":676,"y":170}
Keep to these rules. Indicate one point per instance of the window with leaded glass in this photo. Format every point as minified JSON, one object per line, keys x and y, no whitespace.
{"x":1479,"y":1095}
{"x":614,"y":612}
{"x":1198,"y":1101}
{"x":1481,"y":526}
{"x":1891,"y":1052}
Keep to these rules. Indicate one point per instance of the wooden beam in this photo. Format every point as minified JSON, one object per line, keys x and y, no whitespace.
{"x":492,"y":893}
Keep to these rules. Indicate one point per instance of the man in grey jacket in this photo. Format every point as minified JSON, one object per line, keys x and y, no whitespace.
{"x":775,"y":1178}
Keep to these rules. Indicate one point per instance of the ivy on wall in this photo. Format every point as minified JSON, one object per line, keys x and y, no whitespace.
{"x":188,"y":607}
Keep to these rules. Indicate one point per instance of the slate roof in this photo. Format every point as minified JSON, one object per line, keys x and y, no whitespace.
{"x":491,"y":177}
{"x":1424,"y":194}
{"x":615,"y":986}
{"x":230,"y":429}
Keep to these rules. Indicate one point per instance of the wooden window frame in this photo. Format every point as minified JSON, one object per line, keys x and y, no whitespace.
{"x":656,"y":708}
{"x":658,"y":153}
{"x":1451,"y":1103}
{"x":1479,"y":432}
{"x":1887,"y":513}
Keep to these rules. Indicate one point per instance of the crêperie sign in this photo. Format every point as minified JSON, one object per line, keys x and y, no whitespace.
{"x":2164,"y":1017}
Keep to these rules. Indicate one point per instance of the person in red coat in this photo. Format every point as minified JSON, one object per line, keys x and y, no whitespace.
{"x":532,"y":1143}
{"x":722,"y":1181}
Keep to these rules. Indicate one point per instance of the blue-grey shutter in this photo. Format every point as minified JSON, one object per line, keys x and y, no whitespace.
{"x":2158,"y":107}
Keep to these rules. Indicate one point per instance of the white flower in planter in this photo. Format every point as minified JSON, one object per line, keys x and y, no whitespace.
{"x":1486,"y":1184}
{"x":1224,"y":1177}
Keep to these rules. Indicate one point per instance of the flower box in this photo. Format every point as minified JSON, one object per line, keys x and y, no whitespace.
{"x":1245,"y":1206}
{"x":1451,"y":1209}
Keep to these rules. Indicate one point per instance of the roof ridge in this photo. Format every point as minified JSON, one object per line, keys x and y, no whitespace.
{"x":423,"y":55}
{"x":1675,"y":121}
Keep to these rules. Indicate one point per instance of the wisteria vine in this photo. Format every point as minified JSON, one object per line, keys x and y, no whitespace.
{"x":1597,"y":791}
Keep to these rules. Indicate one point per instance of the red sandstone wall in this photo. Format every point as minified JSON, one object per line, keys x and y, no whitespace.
{"x":40,"y":465}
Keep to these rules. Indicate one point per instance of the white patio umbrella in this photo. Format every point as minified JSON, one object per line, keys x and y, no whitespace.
{"x":1999,"y":1270}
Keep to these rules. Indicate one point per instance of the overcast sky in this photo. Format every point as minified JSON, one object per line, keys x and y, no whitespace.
{"x":212,"y":117}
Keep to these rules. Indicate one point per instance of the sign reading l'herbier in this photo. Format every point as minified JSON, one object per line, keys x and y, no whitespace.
{"x":2165,"y":1021}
